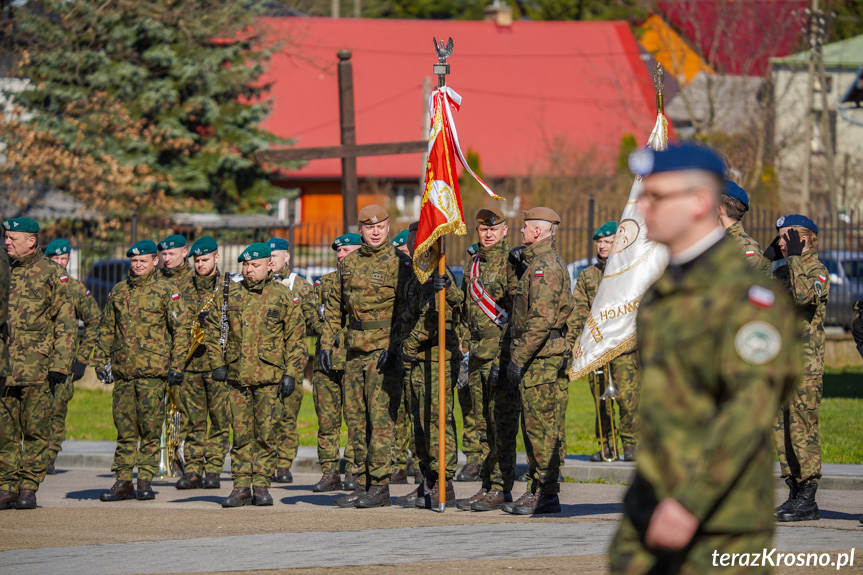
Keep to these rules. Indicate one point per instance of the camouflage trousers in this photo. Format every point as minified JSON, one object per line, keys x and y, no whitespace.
{"x":425,"y":414}
{"x":628,"y":555}
{"x":795,"y":432}
{"x":255,"y":413}
{"x":503,"y":416}
{"x":474,"y":435}
{"x":403,"y":440}
{"x":371,"y":408}
{"x":627,"y":380}
{"x":541,"y":400}
{"x":138,"y":406}
{"x":205,"y":449}
{"x":289,"y":438}
{"x":25,"y":420}
{"x":59,"y":407}
{"x":329,"y":397}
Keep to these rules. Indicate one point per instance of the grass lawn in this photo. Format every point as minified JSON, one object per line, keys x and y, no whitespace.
{"x":841,"y":420}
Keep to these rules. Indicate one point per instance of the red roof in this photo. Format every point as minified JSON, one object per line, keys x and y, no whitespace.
{"x":529,"y":91}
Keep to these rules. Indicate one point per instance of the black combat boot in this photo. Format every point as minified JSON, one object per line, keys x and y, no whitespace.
{"x":469,"y":472}
{"x":330,"y":481}
{"x":629,"y":453}
{"x":8,"y":499}
{"x":803,"y":508}
{"x":544,"y":503}
{"x":211,"y":481}
{"x":793,"y":488}
{"x":377,"y":496}
{"x":26,"y":499}
{"x":190,"y":481}
{"x":145,"y":490}
{"x":410,"y":500}
{"x":430,"y":500}
{"x":605,"y":454}
{"x":283,"y":475}
{"x":120,"y":491}
{"x":350,"y":500}
{"x":492,"y":500}
{"x":464,"y":504}
{"x":261,"y":497}
{"x":350,"y":483}
{"x":239,"y":496}
{"x":399,"y":476}
{"x":51,"y":470}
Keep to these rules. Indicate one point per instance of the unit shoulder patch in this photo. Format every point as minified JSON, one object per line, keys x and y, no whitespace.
{"x":757,"y":342}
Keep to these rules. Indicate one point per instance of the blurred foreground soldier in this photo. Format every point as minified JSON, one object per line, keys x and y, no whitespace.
{"x":329,"y":388}
{"x":40,"y":337}
{"x":420,"y":351}
{"x":301,"y":293}
{"x":624,"y":368}
{"x":733,"y":205}
{"x":265,"y":356}
{"x":403,"y":437}
{"x":365,"y":298}
{"x":539,"y":354}
{"x":486,"y":308}
{"x":87,"y":313}
{"x":795,"y":431}
{"x":718,"y":353}
{"x":205,"y":450}
{"x":143,"y":342}
{"x":856,"y":326}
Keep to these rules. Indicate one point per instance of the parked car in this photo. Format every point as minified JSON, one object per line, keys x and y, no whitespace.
{"x":104,"y":275}
{"x":846,"y":284}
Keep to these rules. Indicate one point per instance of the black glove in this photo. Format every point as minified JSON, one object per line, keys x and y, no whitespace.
{"x":793,"y":243}
{"x":386,"y":361}
{"x":440,"y":282}
{"x":516,"y":259}
{"x":773,"y":252}
{"x":286,"y":387}
{"x":325,"y":357}
{"x":55,"y":378}
{"x":405,"y":356}
{"x":493,"y":375}
{"x":202,"y":317}
{"x":104,"y":376}
{"x":78,"y":370}
{"x":220,"y":373}
{"x":514,"y":373}
{"x":174,"y":377}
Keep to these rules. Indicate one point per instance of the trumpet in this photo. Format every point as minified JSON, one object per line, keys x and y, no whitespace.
{"x":170,"y":439}
{"x":608,"y":396}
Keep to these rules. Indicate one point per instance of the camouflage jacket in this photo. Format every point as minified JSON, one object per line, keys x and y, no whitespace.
{"x":42,"y":322}
{"x":420,"y":320}
{"x":181,"y":278}
{"x":5,"y":279}
{"x":483,"y":333}
{"x":366,"y":298}
{"x":144,"y":330}
{"x":301,"y":289}
{"x":748,"y":247}
{"x":583,"y":295}
{"x":719,"y":352}
{"x":541,"y":305}
{"x":808,"y":282}
{"x":87,"y":311}
{"x":320,"y":293}
{"x":266,"y":332}
{"x":208,"y":355}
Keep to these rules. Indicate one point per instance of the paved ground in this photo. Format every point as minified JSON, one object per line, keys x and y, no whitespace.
{"x":188,"y":532}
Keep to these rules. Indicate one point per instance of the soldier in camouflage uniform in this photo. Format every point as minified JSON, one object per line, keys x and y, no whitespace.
{"x":329,"y":388}
{"x":143,"y":341}
{"x":795,"y":430}
{"x":539,"y":353}
{"x":734,"y":203}
{"x":87,"y":312}
{"x":403,"y":440}
{"x":265,"y":355}
{"x":718,"y":354}
{"x":624,"y":368}
{"x":366,"y":299}
{"x":41,"y":345}
{"x":204,"y":450}
{"x":486,"y":311}
{"x":301,"y":292}
{"x":420,"y":350}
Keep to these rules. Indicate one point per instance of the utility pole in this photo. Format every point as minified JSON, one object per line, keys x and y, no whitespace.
{"x":349,"y":138}
{"x":335,"y":9}
{"x":810,"y":103}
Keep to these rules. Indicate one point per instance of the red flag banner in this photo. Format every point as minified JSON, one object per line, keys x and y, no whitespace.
{"x":441,"y":211}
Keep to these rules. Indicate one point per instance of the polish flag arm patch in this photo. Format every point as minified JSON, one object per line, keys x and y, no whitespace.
{"x":750,"y":253}
{"x":64,"y":278}
{"x":296,"y":300}
{"x":822,"y":278}
{"x":175,"y":296}
{"x":761,"y":297}
{"x":88,"y":293}
{"x":537,"y":274}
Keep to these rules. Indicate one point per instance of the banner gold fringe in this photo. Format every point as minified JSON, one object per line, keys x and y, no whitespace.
{"x":628,"y":345}
{"x":456,"y":227}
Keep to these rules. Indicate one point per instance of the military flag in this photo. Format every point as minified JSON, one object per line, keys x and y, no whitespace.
{"x":632,"y":267}
{"x":441,"y":211}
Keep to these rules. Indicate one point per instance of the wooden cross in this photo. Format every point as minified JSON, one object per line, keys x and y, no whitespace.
{"x":349,"y":151}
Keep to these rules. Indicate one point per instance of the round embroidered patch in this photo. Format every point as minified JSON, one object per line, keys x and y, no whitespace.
{"x":757,"y":342}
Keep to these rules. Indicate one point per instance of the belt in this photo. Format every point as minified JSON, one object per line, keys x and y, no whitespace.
{"x":357,"y":325}
{"x":485,"y":333}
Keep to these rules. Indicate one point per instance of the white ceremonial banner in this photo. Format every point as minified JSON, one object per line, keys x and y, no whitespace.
{"x":632,"y":267}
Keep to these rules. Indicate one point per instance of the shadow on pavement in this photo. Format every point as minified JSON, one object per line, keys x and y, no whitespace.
{"x":827,"y":514}
{"x":205,"y":498}
{"x":320,"y":499}
{"x":85,"y":494}
{"x":587,"y":509}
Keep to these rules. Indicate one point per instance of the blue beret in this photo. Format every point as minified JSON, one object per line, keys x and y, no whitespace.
{"x":21,"y":225}
{"x":142,"y":248}
{"x":347,"y":240}
{"x":278,"y":244}
{"x":471,"y":251}
{"x":796,"y":220}
{"x":203,"y":246}
{"x":171,"y":242}
{"x":645,"y":161}
{"x":255,"y":252}
{"x":605,"y":230}
{"x":401,"y":239}
{"x":57,"y":248}
{"x":732,"y":190}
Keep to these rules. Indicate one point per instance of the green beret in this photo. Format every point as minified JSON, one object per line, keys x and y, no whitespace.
{"x":21,"y":225}
{"x":203,"y":246}
{"x":278,"y":244}
{"x":347,"y":240}
{"x":255,"y":252}
{"x":142,"y":248}
{"x":607,"y":229}
{"x":57,"y":248}
{"x":471,"y":251}
{"x":401,"y":239}
{"x":171,"y":242}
